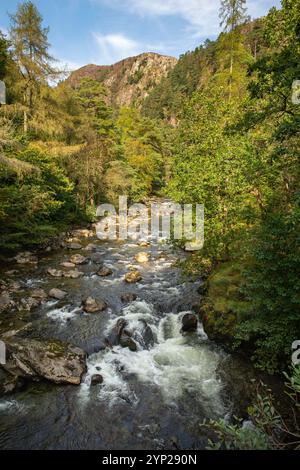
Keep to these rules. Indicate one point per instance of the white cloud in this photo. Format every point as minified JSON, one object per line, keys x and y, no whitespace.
{"x":202,"y":16}
{"x":114,"y":47}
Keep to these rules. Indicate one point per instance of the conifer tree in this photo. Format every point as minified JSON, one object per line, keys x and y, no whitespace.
{"x":30,"y":47}
{"x":232,"y":14}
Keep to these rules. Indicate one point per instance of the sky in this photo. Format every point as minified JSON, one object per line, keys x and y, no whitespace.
{"x":105,"y":31}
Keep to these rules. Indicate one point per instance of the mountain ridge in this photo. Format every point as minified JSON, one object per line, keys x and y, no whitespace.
{"x":129,"y":81}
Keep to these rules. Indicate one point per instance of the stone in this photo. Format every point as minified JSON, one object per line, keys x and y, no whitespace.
{"x":133,"y":277}
{"x":128,"y":297}
{"x":74,"y":246}
{"x":10,"y":384}
{"x":55,"y":361}
{"x":68,"y":265}
{"x":91,"y":305}
{"x":6,"y":302}
{"x":189,"y":322}
{"x":90,"y":247}
{"x":29,"y":304}
{"x":104,"y":271}
{"x":73,"y":274}
{"x":26,"y":257}
{"x":57,"y":294}
{"x":142,"y":257}
{"x":54,"y":272}
{"x":78,"y":259}
{"x":39,"y":294}
{"x":96,"y":379}
{"x":127,"y":342}
{"x":113,"y":338}
{"x":14,"y":287}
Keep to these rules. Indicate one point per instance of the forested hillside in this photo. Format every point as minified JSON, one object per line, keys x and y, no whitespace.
{"x":63,"y":149}
{"x":236,"y":150}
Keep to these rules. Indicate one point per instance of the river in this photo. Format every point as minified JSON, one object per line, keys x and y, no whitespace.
{"x":153,"y":398}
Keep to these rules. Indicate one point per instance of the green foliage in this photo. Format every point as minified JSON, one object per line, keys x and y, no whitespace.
{"x":237,"y":437}
{"x":237,"y":152}
{"x":35,"y":198}
{"x":266,"y":428}
{"x":3,"y":56}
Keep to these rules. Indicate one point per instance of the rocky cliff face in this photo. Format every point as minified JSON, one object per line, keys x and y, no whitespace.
{"x":128,"y":82}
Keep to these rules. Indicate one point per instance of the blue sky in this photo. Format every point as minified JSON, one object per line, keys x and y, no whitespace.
{"x":105,"y":31}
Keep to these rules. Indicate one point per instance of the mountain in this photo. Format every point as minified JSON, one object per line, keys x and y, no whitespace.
{"x":129,"y":81}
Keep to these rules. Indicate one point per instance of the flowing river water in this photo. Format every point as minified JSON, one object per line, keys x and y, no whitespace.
{"x":153,"y":398}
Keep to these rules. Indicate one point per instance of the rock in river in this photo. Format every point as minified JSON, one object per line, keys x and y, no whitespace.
{"x":74,"y":274}
{"x":74,"y":246}
{"x":57,"y":294}
{"x":68,"y":265}
{"x":78,"y":259}
{"x":128,"y":297}
{"x":90,"y":247}
{"x":6,"y":302}
{"x":127,"y":342}
{"x":55,"y":272}
{"x":26,"y":258}
{"x":142,"y":257}
{"x":133,"y":277}
{"x":189,"y":322}
{"x":91,"y":305}
{"x":104,"y":271}
{"x":39,"y":294}
{"x":29,"y":304}
{"x":58,"y":362}
{"x":96,"y":379}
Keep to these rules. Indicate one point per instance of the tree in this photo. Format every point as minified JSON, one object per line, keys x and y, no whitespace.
{"x":30,"y":50}
{"x":232,"y":14}
{"x":3,"y":55}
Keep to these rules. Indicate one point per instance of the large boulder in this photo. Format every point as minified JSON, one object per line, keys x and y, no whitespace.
{"x":78,"y":259}
{"x":58,"y":362}
{"x":189,"y":322}
{"x":142,"y":257}
{"x":133,"y":276}
{"x":91,"y":305}
{"x":57,"y":294}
